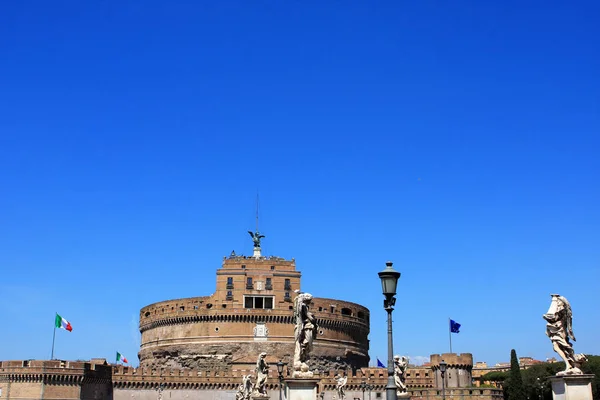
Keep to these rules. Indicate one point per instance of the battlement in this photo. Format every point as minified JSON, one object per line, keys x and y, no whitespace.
{"x":274,"y":264}
{"x":54,"y":370}
{"x":201,"y":309}
{"x":454,"y":360}
{"x":123,"y":381}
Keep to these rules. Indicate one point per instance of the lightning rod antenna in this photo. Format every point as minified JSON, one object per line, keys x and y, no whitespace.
{"x":257,"y":212}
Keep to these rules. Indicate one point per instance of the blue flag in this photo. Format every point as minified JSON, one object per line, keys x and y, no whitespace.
{"x":454,"y":326}
{"x":380,"y":364}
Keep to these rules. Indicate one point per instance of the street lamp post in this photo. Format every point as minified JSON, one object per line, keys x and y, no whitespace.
{"x":280,"y":365}
{"x":389,"y":279}
{"x":443,"y":366}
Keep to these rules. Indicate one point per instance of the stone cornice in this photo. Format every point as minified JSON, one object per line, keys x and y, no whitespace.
{"x":334,"y":324}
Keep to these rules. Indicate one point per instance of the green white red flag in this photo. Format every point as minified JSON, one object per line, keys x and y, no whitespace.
{"x":60,"y":322}
{"x":121,"y":357}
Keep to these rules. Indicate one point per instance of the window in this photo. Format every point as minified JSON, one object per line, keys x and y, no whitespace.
{"x":287,"y":285}
{"x":249,"y":283}
{"x":229,"y":293}
{"x":287,"y":295}
{"x":268,"y":302}
{"x":243,"y":267}
{"x":346,"y":311}
{"x":258,"y":302}
{"x":181,"y":308}
{"x":272,"y":267}
{"x":269,"y":285}
{"x":229,"y":282}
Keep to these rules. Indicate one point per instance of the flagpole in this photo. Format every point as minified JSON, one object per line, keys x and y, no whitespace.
{"x":53,"y":337}
{"x":450,"y":333}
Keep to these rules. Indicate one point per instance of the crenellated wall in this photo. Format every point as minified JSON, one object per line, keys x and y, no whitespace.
{"x":52,"y":380}
{"x":55,"y":379}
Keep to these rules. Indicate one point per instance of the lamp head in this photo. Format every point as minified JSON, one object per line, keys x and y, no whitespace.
{"x":443,"y":366}
{"x":389,"y":279}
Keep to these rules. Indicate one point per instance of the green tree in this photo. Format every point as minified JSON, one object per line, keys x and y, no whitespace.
{"x":592,"y":366}
{"x":494,"y":376}
{"x":536,"y":385}
{"x":535,"y":380}
{"x":514,"y":384}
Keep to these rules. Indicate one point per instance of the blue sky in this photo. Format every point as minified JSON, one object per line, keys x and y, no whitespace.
{"x":458,"y":139}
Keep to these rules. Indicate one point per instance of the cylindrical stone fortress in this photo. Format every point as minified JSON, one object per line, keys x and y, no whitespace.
{"x":250,"y":312}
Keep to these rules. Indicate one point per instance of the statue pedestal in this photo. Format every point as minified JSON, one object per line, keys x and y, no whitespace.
{"x":572,"y":387}
{"x":301,"y":389}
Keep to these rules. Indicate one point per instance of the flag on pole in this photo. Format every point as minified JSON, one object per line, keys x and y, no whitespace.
{"x":60,"y":322}
{"x":380,"y":364}
{"x":121,"y":357}
{"x":454,"y":326}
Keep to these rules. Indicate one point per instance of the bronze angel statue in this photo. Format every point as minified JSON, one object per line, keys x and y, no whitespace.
{"x":559,"y":329}
{"x":256,"y":236}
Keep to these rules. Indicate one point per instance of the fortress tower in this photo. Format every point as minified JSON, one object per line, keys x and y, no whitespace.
{"x":250,"y":312}
{"x":458,"y":372}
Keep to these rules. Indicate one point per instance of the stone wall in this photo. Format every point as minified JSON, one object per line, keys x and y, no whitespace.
{"x":66,"y":380}
{"x":55,"y":379}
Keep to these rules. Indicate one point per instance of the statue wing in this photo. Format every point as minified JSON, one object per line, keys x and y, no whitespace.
{"x":251,"y":234}
{"x":261,"y":236}
{"x":344,"y":380}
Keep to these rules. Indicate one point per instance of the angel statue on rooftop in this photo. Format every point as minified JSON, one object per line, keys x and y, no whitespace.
{"x":256,"y":236}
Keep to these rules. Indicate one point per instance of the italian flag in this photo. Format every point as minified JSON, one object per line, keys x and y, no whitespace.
{"x":121,"y":357}
{"x":60,"y":322}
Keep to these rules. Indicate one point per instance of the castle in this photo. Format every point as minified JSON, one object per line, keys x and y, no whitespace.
{"x":250,"y":312}
{"x":200,"y":347}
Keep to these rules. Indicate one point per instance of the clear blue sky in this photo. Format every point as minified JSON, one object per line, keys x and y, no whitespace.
{"x":459,"y":139}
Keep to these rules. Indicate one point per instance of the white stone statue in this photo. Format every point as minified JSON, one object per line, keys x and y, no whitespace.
{"x":400,"y":366}
{"x":560,"y":331}
{"x":304,"y":334}
{"x":262,"y":373}
{"x":340,"y":384}
{"x":245,"y":389}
